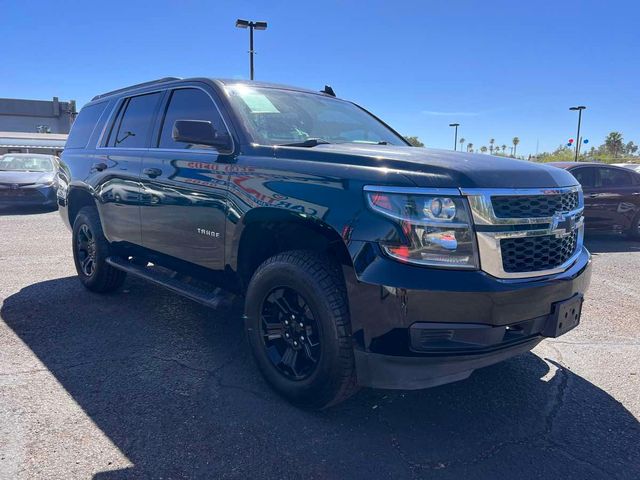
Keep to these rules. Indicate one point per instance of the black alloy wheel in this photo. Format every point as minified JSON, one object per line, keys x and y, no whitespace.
{"x":86,"y":250}
{"x":290,"y":333}
{"x":90,"y":252}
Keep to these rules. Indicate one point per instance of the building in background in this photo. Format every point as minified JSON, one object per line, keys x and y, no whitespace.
{"x":35,"y":126}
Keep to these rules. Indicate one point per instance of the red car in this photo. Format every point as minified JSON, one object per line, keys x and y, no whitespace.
{"x":611,"y":196}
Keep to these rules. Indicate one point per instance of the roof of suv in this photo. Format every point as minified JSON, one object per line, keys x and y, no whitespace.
{"x":219,"y":81}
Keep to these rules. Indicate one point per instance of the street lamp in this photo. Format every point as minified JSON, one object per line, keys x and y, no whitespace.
{"x":251,"y":26}
{"x":579,"y":109}
{"x":455,"y":140}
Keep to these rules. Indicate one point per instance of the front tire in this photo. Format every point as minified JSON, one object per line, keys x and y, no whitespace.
{"x":90,"y":251}
{"x":298,"y":328}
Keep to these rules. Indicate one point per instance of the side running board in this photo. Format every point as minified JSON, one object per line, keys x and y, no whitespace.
{"x":215,"y":298}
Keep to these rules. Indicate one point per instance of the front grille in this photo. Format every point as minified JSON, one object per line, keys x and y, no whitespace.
{"x":20,"y":185}
{"x":533,"y":206}
{"x":21,"y":193}
{"x":533,"y":254}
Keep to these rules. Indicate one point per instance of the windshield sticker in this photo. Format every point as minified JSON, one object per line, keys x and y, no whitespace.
{"x":258,"y":103}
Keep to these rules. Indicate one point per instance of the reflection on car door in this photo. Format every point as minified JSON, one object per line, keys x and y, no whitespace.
{"x":119,"y":159}
{"x":183,"y":202}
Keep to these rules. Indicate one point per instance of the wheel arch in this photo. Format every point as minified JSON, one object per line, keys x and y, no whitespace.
{"x":78,"y":198}
{"x":267,"y":231}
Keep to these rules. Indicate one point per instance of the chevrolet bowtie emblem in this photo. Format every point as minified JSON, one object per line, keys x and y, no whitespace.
{"x":562,"y":225}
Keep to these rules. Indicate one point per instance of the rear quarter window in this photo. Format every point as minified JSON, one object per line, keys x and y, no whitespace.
{"x":84,"y":125}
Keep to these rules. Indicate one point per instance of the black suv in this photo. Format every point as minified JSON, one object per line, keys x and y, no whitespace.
{"x":363,"y":261}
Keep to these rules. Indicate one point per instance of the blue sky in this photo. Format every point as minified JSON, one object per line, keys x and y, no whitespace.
{"x":499,"y":68}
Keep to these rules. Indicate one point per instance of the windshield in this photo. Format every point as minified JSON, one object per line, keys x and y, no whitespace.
{"x":279,"y":117}
{"x":25,"y":164}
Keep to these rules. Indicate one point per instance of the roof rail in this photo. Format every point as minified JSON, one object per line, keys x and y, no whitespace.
{"x":138,"y":85}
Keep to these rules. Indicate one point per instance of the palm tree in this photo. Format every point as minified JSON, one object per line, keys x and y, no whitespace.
{"x":515,"y":141}
{"x":469,"y":147}
{"x":491,"y":142}
{"x":504,"y":147}
{"x":462,"y":140}
{"x":483,"y":149}
{"x":614,"y":143}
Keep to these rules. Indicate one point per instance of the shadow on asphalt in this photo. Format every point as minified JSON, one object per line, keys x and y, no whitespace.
{"x":173,"y":386}
{"x":30,"y":210}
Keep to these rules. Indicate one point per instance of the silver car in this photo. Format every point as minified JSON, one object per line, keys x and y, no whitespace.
{"x":28,"y":179}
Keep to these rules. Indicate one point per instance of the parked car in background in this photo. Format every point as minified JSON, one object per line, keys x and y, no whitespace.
{"x":28,"y":179}
{"x":631,"y":166}
{"x":611,"y":196}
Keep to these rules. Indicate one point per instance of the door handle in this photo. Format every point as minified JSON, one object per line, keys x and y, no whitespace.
{"x":99,"y":166}
{"x":152,"y":172}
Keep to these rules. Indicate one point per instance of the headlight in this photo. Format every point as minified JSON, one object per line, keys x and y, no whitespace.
{"x":436,"y":229}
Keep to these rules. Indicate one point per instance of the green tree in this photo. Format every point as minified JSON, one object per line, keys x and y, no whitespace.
{"x":414,"y":141}
{"x":614,"y":144}
{"x":491,"y":142}
{"x":504,"y":147}
{"x":630,"y":148}
{"x":483,"y":149}
{"x":515,"y":141}
{"x":560,"y":154}
{"x":461,"y":141}
{"x":613,"y":150}
{"x":470,"y":147}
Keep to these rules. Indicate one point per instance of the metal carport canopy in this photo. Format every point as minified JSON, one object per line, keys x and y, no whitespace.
{"x":32,"y":140}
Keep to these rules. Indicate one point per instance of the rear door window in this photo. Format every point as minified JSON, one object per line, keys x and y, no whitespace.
{"x":188,"y":104}
{"x":585,"y":176}
{"x":134,"y":121}
{"x":612,"y":177}
{"x":84,"y":125}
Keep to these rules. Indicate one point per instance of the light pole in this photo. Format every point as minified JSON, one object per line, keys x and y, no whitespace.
{"x":579,"y":109}
{"x":251,"y":26}
{"x":455,"y":140}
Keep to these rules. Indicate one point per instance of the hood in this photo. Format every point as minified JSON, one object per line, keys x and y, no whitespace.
{"x":441,"y":168}
{"x":23,"y":178}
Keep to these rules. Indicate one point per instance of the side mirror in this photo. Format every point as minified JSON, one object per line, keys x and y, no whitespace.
{"x":199,"y":132}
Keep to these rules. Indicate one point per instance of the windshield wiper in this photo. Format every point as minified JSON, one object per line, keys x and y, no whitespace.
{"x":309,"y":142}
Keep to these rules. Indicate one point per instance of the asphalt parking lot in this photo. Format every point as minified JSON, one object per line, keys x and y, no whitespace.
{"x":146,"y":384}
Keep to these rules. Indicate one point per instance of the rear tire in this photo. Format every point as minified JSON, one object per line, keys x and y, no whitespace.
{"x":634,"y":231}
{"x":90,"y":251}
{"x":298,"y":328}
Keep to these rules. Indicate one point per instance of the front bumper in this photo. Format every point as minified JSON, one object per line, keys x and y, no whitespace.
{"x":411,"y":373}
{"x":416,"y":327}
{"x":28,"y":196}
